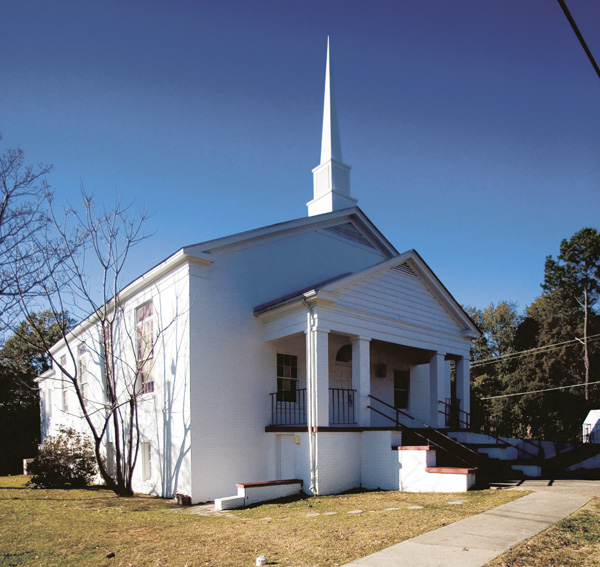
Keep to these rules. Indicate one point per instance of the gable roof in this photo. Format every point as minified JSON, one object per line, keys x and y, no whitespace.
{"x":409,"y":262}
{"x":592,"y":417}
{"x":201,"y":252}
{"x":353,"y":215}
{"x":295,"y":295}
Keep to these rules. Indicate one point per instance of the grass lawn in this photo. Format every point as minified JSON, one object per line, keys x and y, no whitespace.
{"x":575,"y":541}
{"x":82,"y":527}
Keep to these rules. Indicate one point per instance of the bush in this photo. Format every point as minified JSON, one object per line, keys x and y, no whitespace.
{"x":66,"y":460}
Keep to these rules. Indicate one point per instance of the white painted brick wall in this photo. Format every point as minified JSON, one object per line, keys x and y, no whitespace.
{"x":380,"y":467}
{"x":164,"y":416}
{"x":338,"y":462}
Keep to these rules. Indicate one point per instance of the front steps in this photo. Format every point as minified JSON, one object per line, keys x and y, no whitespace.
{"x":420,"y":472}
{"x":519,"y":459}
{"x":254,"y":492}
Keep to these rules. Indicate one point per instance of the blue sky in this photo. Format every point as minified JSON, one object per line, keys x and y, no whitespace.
{"x":472,"y":126}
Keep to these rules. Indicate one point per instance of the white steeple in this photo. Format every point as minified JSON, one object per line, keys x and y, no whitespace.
{"x":331,"y":178}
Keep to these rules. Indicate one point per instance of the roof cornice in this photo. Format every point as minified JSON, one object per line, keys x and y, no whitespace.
{"x":180,"y":257}
{"x":351,"y":213}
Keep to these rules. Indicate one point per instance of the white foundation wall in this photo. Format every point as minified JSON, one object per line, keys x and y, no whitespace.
{"x":346,"y":460}
{"x":233,"y":368}
{"x":379,"y":463}
{"x":338,"y":461}
{"x":361,"y":459}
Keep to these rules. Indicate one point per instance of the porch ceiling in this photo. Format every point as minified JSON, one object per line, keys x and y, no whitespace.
{"x":410,"y":355}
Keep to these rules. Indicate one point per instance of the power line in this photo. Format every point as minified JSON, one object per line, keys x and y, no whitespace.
{"x":579,"y":36}
{"x":494,"y":359}
{"x":538,"y":391}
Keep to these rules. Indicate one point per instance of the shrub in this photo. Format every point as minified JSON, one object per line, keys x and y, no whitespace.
{"x":66,"y":460}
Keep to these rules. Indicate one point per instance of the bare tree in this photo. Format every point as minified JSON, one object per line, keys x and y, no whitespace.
{"x":24,"y":198}
{"x":99,"y":241}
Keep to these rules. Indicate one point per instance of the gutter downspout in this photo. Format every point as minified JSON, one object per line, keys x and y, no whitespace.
{"x":312,"y":401}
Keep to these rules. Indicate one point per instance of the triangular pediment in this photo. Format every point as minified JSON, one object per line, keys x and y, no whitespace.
{"x":404,"y":289}
{"x":351,"y":225}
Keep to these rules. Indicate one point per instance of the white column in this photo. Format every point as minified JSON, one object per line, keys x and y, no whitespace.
{"x":361,"y":379}
{"x":321,"y":379}
{"x":317,"y":382}
{"x":439,"y":389}
{"x":463,"y":387}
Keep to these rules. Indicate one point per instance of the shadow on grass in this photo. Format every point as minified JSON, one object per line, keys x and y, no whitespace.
{"x":284,"y":500}
{"x":93,"y":494}
{"x":305,"y":497}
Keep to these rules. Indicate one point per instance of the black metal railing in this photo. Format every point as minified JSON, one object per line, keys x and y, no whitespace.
{"x":341,"y":406}
{"x":459,"y":419}
{"x":290,"y":408}
{"x":430,"y":436}
{"x":454,"y":417}
{"x":289,"y":411}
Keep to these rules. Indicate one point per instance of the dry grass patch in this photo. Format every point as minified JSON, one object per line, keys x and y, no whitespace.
{"x":575,"y":541}
{"x":81,"y":527}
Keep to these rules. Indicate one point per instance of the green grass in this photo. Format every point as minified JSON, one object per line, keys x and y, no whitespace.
{"x":575,"y":541}
{"x":81,"y":527}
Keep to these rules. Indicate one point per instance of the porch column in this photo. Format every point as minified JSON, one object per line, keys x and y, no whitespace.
{"x":361,"y":379}
{"x":439,"y":389}
{"x":463,"y":386}
{"x":317,"y":348}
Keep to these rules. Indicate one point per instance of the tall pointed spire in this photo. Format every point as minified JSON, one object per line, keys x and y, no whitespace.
{"x":331,"y":178}
{"x":331,"y":147}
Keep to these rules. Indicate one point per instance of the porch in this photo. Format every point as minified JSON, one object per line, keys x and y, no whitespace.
{"x":366,"y":383}
{"x":361,"y":365}
{"x":291,"y":409}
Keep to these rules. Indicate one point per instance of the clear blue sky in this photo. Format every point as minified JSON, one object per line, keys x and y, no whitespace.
{"x":472,"y":127}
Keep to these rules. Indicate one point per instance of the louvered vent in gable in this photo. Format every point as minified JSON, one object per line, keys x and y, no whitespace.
{"x":348,"y":231}
{"x":405,"y":269}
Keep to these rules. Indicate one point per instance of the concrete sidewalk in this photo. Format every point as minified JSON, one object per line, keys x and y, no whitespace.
{"x":474,"y":541}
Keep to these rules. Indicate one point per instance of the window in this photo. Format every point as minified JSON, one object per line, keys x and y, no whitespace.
{"x":401,"y":388}
{"x":65,"y":384}
{"x":287,"y":377}
{"x":146,"y":461}
{"x":83,"y":374}
{"x":145,"y":346}
{"x":344,"y":354}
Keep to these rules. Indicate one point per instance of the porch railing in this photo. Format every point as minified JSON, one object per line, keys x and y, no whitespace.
{"x":294,"y":411}
{"x":341,"y":406}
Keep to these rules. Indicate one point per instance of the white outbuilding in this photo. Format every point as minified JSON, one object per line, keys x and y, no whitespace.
{"x":591,"y":427}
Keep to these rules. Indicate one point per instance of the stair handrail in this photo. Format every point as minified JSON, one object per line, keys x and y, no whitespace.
{"x":466,"y":421}
{"x":500,"y":440}
{"x":425,"y":439}
{"x":519,"y":447}
{"x":425,"y":426}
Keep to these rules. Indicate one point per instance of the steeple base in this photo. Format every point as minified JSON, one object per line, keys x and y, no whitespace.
{"x":331,"y":181}
{"x":331,"y":201}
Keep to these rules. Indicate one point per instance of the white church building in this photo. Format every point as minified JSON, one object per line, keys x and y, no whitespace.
{"x":305,"y":351}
